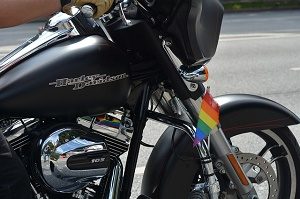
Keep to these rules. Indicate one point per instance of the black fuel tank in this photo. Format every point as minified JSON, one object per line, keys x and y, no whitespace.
{"x":84,"y":75}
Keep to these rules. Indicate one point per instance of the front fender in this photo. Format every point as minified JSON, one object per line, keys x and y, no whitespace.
{"x":166,"y":173}
{"x":243,"y":113}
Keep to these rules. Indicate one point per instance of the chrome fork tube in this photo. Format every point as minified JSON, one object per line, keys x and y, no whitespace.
{"x":208,"y":169}
{"x":223,"y":150}
{"x":233,"y":168}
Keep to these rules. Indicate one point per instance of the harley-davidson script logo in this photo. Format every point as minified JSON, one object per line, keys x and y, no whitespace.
{"x":85,"y":80}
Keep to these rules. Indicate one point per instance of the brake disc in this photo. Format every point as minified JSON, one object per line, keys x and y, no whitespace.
{"x":258,"y":171}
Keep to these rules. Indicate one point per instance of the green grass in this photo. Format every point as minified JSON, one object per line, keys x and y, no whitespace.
{"x":240,"y":6}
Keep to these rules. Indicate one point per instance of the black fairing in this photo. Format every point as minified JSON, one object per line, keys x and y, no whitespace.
{"x":193,"y":25}
{"x":135,"y":37}
{"x":196,"y":29}
{"x":31,"y":88}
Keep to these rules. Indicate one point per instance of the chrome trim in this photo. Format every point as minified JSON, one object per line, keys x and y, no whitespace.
{"x":175,"y":60}
{"x":124,"y":133}
{"x":99,"y":22}
{"x":57,"y":28}
{"x":122,"y":15}
{"x":19,"y":125}
{"x":88,"y":11}
{"x":57,"y":150}
{"x":192,"y":86}
{"x":115,"y":180}
{"x":17,"y":135}
{"x":222,"y":148}
{"x":197,"y":76}
{"x":56,"y":20}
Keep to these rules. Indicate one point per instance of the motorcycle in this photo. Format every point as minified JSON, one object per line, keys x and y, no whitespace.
{"x":77,"y":96}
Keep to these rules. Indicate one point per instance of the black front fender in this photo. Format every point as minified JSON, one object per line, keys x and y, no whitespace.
{"x":166,"y":173}
{"x":244,"y":113}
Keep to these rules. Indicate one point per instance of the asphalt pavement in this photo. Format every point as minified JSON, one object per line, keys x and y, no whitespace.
{"x":258,"y":53}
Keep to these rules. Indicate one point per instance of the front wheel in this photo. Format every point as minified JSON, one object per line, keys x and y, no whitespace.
{"x":271,"y":160}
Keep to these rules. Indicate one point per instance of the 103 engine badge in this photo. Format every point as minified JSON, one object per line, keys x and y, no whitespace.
{"x":87,"y":80}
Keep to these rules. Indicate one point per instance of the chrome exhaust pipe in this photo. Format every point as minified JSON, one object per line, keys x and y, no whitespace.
{"x":115,"y":180}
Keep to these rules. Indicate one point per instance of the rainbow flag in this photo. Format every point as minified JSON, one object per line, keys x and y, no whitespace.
{"x":208,"y":117}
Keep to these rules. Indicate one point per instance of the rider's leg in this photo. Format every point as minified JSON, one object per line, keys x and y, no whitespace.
{"x":14,"y":182}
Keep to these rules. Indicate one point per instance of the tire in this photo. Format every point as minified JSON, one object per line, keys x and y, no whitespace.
{"x":281,"y":148}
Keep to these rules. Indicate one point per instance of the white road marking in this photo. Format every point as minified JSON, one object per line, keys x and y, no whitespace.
{"x":6,"y":49}
{"x":295,"y":69}
{"x":256,"y":36}
{"x":139,"y":170}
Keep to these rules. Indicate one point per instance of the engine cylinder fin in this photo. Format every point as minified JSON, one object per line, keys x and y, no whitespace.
{"x":18,"y":139}
{"x":115,"y":146}
{"x":19,"y":142}
{"x":111,"y":138}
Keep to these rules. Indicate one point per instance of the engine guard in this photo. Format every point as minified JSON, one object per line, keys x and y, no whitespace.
{"x":238,"y":113}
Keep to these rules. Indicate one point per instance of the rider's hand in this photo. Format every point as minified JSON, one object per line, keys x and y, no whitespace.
{"x":102,"y":5}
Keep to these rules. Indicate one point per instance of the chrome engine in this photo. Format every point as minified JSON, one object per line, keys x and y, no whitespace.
{"x":71,"y":158}
{"x":67,"y":157}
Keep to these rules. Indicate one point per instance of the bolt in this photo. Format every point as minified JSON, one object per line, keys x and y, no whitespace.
{"x":236,"y":149}
{"x":218,"y":164}
{"x":168,"y":43}
{"x":222,"y":171}
{"x":193,"y":87}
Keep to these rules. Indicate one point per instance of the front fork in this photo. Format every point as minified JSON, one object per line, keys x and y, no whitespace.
{"x":232,"y":167}
{"x":223,"y":152}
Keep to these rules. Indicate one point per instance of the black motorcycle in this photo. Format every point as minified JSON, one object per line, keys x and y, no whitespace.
{"x":78,"y":95}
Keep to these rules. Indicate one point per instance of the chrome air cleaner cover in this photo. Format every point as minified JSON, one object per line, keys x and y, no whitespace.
{"x":71,"y":158}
